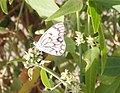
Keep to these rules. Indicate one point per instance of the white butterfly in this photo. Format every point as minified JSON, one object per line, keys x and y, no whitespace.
{"x":52,"y":41}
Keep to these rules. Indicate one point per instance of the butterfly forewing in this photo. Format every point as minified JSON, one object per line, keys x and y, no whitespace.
{"x":52,"y":41}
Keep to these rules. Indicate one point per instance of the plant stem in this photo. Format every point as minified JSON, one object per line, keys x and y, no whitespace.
{"x":52,"y":73}
{"x":20,"y":13}
{"x":89,"y":25}
{"x":80,"y":49}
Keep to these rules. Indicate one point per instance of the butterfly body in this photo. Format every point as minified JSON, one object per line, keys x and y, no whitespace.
{"x":52,"y":41}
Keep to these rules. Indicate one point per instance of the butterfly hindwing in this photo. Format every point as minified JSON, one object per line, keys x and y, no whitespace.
{"x":52,"y":41}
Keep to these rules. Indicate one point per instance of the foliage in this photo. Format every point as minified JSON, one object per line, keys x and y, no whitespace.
{"x":90,"y":63}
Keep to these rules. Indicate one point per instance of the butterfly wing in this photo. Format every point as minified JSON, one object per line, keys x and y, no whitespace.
{"x":52,"y":41}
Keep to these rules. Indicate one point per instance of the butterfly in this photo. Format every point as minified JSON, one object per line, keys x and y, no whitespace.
{"x":52,"y":41}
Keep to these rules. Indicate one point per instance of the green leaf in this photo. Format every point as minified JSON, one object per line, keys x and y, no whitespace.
{"x":70,"y":45}
{"x":91,"y":55}
{"x":44,"y":8}
{"x":116,"y":52}
{"x":109,"y":88}
{"x":112,"y":67}
{"x":118,"y":90}
{"x":3,"y":4}
{"x":69,"y":7}
{"x":56,"y":75}
{"x":103,"y":48}
{"x":117,"y":7}
{"x":107,"y":80}
{"x":16,"y":84}
{"x":76,"y":58}
{"x":95,"y":16}
{"x":107,"y":3}
{"x":16,"y":60}
{"x":62,"y":63}
{"x":90,"y":77}
{"x":45,"y":79}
